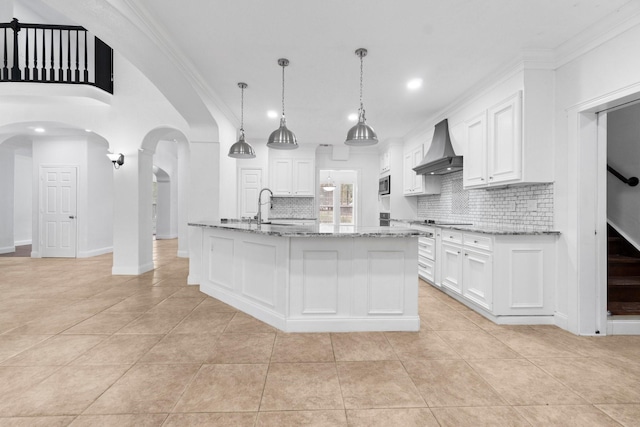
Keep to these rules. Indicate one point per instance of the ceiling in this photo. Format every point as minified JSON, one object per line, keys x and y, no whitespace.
{"x":451,"y":44}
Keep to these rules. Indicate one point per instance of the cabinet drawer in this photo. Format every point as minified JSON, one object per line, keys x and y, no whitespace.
{"x":478,"y":241}
{"x":451,"y":236}
{"x":427,"y":248}
{"x":426,"y":269}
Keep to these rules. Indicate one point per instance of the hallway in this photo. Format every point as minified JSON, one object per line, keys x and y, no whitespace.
{"x":81,"y":347}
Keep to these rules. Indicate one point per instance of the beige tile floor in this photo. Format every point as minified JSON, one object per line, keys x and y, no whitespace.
{"x":83,"y":348}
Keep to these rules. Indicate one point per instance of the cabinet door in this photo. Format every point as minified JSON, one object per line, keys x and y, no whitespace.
{"x":505,"y":141}
{"x":303,"y":177}
{"x":477,"y":273}
{"x":408,"y":174}
{"x":281,"y":172}
{"x":451,"y":266}
{"x":475,"y":160}
{"x":418,"y":180}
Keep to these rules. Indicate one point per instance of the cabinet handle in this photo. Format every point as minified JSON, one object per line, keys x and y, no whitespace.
{"x":458,"y":251}
{"x":451,"y":237}
{"x":481,"y":179}
{"x":490,"y":177}
{"x":475,"y":241}
{"x":466,"y":254}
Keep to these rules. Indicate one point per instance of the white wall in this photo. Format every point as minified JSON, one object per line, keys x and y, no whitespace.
{"x":22,"y":210}
{"x":6,"y":200}
{"x":623,"y":153}
{"x":99,"y":200}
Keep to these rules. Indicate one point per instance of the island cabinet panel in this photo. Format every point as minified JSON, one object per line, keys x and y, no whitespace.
{"x":318,"y":278}
{"x":298,"y":279}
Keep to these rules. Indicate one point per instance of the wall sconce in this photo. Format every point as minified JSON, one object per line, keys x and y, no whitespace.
{"x":116,"y":159}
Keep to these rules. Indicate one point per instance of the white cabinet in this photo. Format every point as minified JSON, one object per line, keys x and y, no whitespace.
{"x":426,"y":254}
{"x":508,"y":278}
{"x":466,"y":268}
{"x":495,"y":145}
{"x":414,"y":184}
{"x":292,"y":177}
{"x":385,"y":162}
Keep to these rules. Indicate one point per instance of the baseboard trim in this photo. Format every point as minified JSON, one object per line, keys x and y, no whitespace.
{"x":95,"y":252}
{"x":7,"y":249}
{"x":166,"y":236}
{"x":132,"y":270}
{"x":22,"y":242}
{"x":623,"y":325}
{"x":183,"y":254}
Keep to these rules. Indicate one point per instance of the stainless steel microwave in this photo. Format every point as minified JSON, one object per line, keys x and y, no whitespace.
{"x":384,"y":186}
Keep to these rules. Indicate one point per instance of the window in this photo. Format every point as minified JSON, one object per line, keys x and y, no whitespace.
{"x":337,"y":207}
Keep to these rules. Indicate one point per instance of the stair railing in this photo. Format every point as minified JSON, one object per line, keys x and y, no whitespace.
{"x":632,"y":182}
{"x":45,"y":53}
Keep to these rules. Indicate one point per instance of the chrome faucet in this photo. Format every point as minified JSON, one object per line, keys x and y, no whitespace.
{"x":259,"y":216}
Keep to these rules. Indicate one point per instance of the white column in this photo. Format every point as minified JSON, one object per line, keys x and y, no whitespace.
{"x":183,"y":198}
{"x":133,"y":228}
{"x":6,"y":200}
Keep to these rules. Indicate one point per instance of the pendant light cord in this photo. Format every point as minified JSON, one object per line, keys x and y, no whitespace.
{"x":242,"y":111}
{"x":361,"y":68}
{"x":283,"y":91}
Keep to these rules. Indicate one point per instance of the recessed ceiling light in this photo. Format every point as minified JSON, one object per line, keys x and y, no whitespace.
{"x":353,"y":117}
{"x":39,"y":130}
{"x":414,"y":84}
{"x":272,"y":114}
{"x":87,"y":130}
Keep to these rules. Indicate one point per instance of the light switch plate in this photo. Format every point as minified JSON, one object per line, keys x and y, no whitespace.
{"x":532,"y":205}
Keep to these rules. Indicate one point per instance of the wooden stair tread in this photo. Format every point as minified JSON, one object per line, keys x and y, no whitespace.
{"x":623,"y":259}
{"x":623,"y":280}
{"x":624,"y":308}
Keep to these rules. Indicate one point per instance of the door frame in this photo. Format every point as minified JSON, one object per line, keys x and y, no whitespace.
{"x":40,"y":201}
{"x":587,"y":290}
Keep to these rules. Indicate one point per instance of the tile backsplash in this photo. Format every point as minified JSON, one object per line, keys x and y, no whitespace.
{"x":293,"y":207}
{"x":529,"y":206}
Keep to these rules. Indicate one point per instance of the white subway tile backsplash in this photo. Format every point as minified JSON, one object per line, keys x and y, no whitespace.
{"x":491,"y":207}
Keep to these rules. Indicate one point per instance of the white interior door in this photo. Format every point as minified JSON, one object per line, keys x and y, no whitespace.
{"x":58,"y":228}
{"x":250,"y":185}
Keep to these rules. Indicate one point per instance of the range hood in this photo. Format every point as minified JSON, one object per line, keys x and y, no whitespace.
{"x":440,"y":159}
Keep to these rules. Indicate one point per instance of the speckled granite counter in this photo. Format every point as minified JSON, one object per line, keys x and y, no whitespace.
{"x":485,"y":229}
{"x":304,"y":279}
{"x":316,"y":230}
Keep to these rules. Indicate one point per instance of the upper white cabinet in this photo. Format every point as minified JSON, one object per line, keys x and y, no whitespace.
{"x":510,"y":141}
{"x":292,"y":177}
{"x":385,"y":162}
{"x":414,"y":184}
{"x":494,"y":145}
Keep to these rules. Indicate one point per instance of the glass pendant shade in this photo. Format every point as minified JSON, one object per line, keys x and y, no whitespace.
{"x":282,"y":138}
{"x":242,"y":149}
{"x":361,"y":134}
{"x":329,"y":185}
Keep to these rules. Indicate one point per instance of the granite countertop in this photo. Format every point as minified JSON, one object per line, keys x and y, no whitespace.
{"x":291,"y":219}
{"x":310,"y":230}
{"x":505,"y":230}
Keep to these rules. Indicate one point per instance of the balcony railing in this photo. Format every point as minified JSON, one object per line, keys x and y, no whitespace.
{"x":42,"y":53}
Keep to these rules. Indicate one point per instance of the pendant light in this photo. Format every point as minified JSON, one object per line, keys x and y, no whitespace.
{"x":242,"y":149}
{"x":361,"y":134}
{"x":282,"y":138}
{"x":329,"y":185}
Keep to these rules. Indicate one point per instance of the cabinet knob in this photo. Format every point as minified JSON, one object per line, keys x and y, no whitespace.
{"x":490,"y":177}
{"x":458,"y":251}
{"x":466,"y":254}
{"x":451,"y":237}
{"x":475,"y":241}
{"x":481,"y":179}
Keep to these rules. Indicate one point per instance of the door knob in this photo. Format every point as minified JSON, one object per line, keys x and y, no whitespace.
{"x":72,"y":216}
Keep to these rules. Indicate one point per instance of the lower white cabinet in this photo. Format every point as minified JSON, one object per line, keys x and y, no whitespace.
{"x":508,"y":278}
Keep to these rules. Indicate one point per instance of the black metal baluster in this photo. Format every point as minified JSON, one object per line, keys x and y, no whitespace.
{"x":5,"y":70}
{"x":68,"y":55}
{"x":52,"y":70}
{"x":43,"y":70}
{"x":60,"y":72}
{"x":16,"y":73}
{"x":77,"y":73}
{"x":26,"y":55}
{"x":35,"y":54}
{"x":86,"y":64}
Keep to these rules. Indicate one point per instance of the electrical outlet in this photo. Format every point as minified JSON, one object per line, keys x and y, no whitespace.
{"x":512,"y":206}
{"x":532,"y":205}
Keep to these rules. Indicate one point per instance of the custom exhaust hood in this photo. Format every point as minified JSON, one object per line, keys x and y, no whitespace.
{"x":440,"y":159}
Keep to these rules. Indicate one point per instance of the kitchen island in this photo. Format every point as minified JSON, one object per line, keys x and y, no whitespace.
{"x":310,"y":279}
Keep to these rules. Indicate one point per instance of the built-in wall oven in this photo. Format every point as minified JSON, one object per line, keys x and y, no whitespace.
{"x":385,"y":219}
